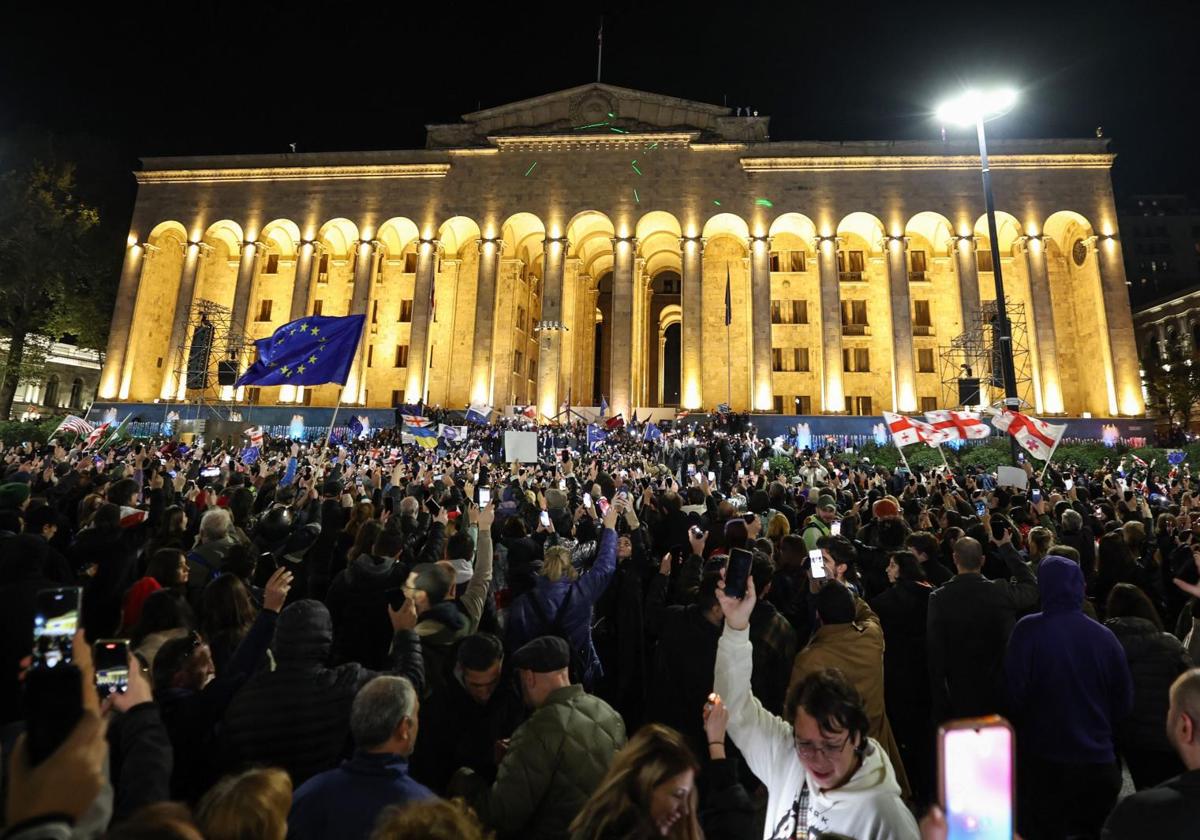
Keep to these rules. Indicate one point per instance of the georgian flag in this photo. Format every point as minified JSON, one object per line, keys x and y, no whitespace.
{"x":1037,"y":437}
{"x":529,"y":411}
{"x":964,"y":425}
{"x":95,"y":435}
{"x":256,"y":437}
{"x":909,"y":430}
{"x":414,"y":419}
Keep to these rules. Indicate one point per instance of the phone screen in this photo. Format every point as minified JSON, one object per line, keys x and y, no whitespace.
{"x":1036,"y":496}
{"x":112,"y":666}
{"x":544,"y":519}
{"x":691,"y":469}
{"x":711,"y":476}
{"x":210,"y":472}
{"x":587,"y":500}
{"x":835,"y":528}
{"x":603,"y":506}
{"x":737,"y":572}
{"x":1068,"y":483}
{"x":816,"y":563}
{"x":980,"y":508}
{"x":54,"y":625}
{"x":485,"y":496}
{"x":976,"y":768}
{"x":741,"y":472}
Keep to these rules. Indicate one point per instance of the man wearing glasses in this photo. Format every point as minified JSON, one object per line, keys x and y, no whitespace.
{"x":823,"y":773}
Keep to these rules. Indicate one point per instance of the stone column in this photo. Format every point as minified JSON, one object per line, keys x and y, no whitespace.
{"x":118,"y":335}
{"x":1043,"y":326}
{"x":902,"y":331}
{"x":691,"y":392}
{"x":482,"y":367}
{"x":833,"y":398}
{"x":968,"y":279}
{"x":621,"y":328}
{"x":1185,"y":336}
{"x":356,"y":382}
{"x":421,"y":328}
{"x":241,"y":295}
{"x":567,"y":378}
{"x":762,"y":387}
{"x":1127,"y":380}
{"x":303,"y":282}
{"x":550,"y":335}
{"x":175,"y":377}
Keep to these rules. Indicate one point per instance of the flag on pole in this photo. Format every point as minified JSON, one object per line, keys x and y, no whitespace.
{"x":249,"y":455}
{"x":681,"y":413}
{"x":634,"y":421}
{"x":529,"y":412}
{"x":412,"y":417}
{"x":359,"y":426}
{"x":451,"y":434}
{"x":71,"y":423}
{"x":595,"y":436}
{"x":614,"y":423}
{"x":307,"y":351}
{"x":1138,"y":461}
{"x":256,"y":436}
{"x":962,"y":425}
{"x":908,"y":430}
{"x":95,"y":435}
{"x":652,"y":432}
{"x":479,"y":413}
{"x":289,"y":474}
{"x":728,"y":299}
{"x":603,"y":405}
{"x":117,"y":433}
{"x":425,"y":436}
{"x":1037,"y":437}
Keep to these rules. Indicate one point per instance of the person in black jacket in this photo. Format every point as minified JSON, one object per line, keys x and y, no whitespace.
{"x":297,"y":717}
{"x":970,"y":620}
{"x":358,"y":599}
{"x":903,"y":613}
{"x":141,"y":758}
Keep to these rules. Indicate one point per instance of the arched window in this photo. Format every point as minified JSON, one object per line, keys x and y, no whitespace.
{"x":50,"y":398}
{"x":77,"y":393}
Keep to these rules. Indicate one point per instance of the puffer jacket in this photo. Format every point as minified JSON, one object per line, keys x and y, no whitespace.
{"x":567,"y":605}
{"x":358,"y":606}
{"x":298,"y":716}
{"x":1155,"y":659}
{"x":555,"y":761}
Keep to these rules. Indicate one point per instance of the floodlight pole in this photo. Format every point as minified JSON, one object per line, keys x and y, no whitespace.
{"x":1008,"y":371}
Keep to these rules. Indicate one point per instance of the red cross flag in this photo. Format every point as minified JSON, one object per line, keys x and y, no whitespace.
{"x":964,"y":425}
{"x":1037,"y":437}
{"x":906,"y":430}
{"x":256,"y":436}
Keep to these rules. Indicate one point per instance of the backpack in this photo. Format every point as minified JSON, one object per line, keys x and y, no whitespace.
{"x":579,"y":658}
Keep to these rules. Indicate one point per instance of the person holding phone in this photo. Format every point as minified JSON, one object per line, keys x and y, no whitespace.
{"x":822,"y":770}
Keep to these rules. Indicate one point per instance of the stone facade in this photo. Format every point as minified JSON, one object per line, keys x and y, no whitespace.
{"x":580,"y":244}
{"x":66,"y":383}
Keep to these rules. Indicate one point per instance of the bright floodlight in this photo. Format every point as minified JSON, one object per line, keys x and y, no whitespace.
{"x":973,"y":105}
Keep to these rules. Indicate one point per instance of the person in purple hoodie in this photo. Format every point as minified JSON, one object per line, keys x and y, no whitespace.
{"x":1068,"y":687}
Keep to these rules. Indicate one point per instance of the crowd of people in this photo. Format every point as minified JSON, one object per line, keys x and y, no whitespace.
{"x":380,"y":640}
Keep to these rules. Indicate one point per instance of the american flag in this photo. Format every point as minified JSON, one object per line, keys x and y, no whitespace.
{"x":78,"y":425}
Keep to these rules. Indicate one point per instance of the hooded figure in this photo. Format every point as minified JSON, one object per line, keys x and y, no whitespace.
{"x":1068,"y":687}
{"x":298,"y":716}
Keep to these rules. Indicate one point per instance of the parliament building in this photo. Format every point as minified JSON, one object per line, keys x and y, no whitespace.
{"x":602,"y":242}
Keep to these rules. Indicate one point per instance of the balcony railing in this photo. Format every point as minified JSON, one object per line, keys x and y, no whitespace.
{"x":850,"y":276}
{"x":923,"y":329}
{"x":918,"y":277}
{"x":856,"y":329}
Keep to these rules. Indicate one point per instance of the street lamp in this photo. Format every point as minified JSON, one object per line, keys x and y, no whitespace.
{"x":978,"y":106}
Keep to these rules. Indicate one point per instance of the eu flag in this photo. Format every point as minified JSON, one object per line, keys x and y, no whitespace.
{"x":308,"y":351}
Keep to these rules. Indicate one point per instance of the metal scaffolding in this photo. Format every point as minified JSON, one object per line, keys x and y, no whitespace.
{"x":227,"y":345}
{"x":975,"y":353}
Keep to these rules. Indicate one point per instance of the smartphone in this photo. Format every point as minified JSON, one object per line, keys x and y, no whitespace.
{"x":51,"y":702}
{"x":171,"y":473}
{"x":603,"y":506}
{"x":1069,"y":483}
{"x":741,"y":472}
{"x":712,"y":476}
{"x":1036,"y":496}
{"x":980,"y":508}
{"x":562,"y":484}
{"x":485,"y":497}
{"x":389,"y":504}
{"x":210,"y":472}
{"x":54,"y":623}
{"x":835,"y":528}
{"x":111,"y":657}
{"x":696,"y":532}
{"x":737,"y":572}
{"x":691,"y":469}
{"x":545,"y":519}
{"x":433,"y":507}
{"x":976,"y":772}
{"x":816,"y":564}
{"x":587,"y":500}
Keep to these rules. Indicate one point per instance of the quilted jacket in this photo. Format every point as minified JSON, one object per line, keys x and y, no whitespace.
{"x":1155,"y":659}
{"x":554,"y":762}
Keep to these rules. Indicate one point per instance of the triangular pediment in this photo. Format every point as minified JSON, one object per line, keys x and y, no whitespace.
{"x":601,"y":109}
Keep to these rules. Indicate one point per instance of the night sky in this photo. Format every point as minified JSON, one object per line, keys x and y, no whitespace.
{"x":216,"y":78}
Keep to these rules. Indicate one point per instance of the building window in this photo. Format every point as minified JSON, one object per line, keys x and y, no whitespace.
{"x":323,"y":269}
{"x":854,"y":317}
{"x":776,"y":312}
{"x":533,"y":369}
{"x":860,"y":406}
{"x":851,"y":265}
{"x":521,"y":318}
{"x":370,"y":355}
{"x":799,"y":312}
{"x":401,"y":355}
{"x":272,"y":266}
{"x":406,"y":312}
{"x":77,"y":392}
{"x":778,"y":400}
{"x":375,"y":312}
{"x":928,"y":403}
{"x":803,"y":404}
{"x":922,"y":318}
{"x":253,"y":395}
{"x":856,"y":359}
{"x":983,"y":260}
{"x":518,"y":362}
{"x":777,"y":359}
{"x":318,"y":305}
{"x":788,"y":261}
{"x":916,"y":266}
{"x":308,"y":396}
{"x":397,"y":398}
{"x":925,"y":360}
{"x":264,"y":310}
{"x":670,"y":285}
{"x":51,"y":396}
{"x":800,"y":359}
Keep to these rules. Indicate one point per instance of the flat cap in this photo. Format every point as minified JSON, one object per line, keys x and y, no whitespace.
{"x":543,"y":655}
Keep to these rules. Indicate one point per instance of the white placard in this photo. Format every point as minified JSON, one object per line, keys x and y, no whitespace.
{"x":1012,"y":477}
{"x":520,"y":446}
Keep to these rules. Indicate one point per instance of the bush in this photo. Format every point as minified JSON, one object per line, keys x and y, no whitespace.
{"x":16,"y":432}
{"x":996,"y":452}
{"x":782,"y":464}
{"x":1086,"y":456}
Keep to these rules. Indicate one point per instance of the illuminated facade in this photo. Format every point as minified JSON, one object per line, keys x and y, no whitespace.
{"x":580,"y":244}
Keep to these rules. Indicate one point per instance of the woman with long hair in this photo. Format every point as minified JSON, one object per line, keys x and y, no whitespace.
{"x":1115,"y":564}
{"x":226,"y":613}
{"x":165,"y":615}
{"x":167,"y":569}
{"x":171,"y":533}
{"x":649,"y":791}
{"x":777,"y":529}
{"x":251,"y":804}
{"x":347,"y":541}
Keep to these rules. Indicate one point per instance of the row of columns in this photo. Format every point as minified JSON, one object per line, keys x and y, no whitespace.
{"x":569,"y":305}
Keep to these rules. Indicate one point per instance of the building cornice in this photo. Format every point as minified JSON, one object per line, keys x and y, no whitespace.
{"x":916,"y":162}
{"x":293,"y":173}
{"x":579,"y":142}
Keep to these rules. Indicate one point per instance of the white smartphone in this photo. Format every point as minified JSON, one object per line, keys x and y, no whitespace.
{"x":712,"y":476}
{"x":587,"y":500}
{"x":545,"y":519}
{"x":835,"y":528}
{"x":1069,"y":483}
{"x":975,"y":769}
{"x":485,"y":497}
{"x":816,"y":563}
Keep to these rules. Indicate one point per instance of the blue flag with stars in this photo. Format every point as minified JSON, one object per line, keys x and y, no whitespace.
{"x":308,"y":351}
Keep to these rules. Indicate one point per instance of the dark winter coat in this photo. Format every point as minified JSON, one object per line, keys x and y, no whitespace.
{"x":345,"y":802}
{"x":903,"y":611}
{"x":1155,"y":659}
{"x":358,"y":607}
{"x":298,"y":716}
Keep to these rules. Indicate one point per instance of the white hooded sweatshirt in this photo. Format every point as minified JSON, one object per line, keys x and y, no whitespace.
{"x":867,"y":807}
